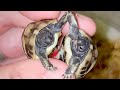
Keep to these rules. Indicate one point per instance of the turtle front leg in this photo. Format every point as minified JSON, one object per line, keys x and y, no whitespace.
{"x":44,"y":59}
{"x":72,"y":68}
{"x":75,"y":60}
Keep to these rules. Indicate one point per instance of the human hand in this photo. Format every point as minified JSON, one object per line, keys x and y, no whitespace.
{"x":16,"y":65}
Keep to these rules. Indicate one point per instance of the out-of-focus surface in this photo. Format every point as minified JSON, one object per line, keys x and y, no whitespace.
{"x":109,"y":17}
{"x":107,"y":39}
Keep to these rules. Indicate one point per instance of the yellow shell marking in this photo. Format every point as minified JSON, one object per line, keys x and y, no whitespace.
{"x":29,"y":35}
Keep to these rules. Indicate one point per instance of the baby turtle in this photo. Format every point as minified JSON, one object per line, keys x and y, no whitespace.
{"x":40,"y":38}
{"x":81,"y":53}
{"x":44,"y":39}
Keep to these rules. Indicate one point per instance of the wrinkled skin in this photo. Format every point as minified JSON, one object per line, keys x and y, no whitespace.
{"x":16,"y":64}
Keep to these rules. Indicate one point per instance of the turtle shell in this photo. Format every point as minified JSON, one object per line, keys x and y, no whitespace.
{"x":29,"y":36}
{"x":89,"y":59}
{"x":68,"y":48}
{"x":88,"y":62}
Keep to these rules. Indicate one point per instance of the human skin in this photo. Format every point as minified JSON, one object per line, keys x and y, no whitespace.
{"x":16,"y":65}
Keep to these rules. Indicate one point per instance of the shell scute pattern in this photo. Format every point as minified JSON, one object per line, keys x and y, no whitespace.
{"x":29,"y":36}
{"x":76,"y":49}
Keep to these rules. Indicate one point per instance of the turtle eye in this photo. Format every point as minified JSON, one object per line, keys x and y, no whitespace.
{"x":81,"y":48}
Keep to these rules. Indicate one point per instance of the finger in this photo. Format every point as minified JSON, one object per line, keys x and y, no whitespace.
{"x":5,"y":26}
{"x":85,"y":23}
{"x":10,"y":61}
{"x":9,"y":19}
{"x":10,"y":43}
{"x":38,"y":15}
{"x":32,"y":69}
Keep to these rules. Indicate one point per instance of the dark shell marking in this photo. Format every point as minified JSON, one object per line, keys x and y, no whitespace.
{"x":80,"y":52}
{"x":44,"y":38}
{"x":80,"y":48}
{"x":28,"y":47}
{"x":29,"y":35}
{"x":39,"y":38}
{"x":88,"y":64}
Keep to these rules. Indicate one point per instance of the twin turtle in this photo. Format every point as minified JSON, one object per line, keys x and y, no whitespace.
{"x":41,"y":39}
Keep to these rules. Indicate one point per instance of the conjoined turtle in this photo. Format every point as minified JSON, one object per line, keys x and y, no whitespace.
{"x":43,"y":38}
{"x":81,"y":52}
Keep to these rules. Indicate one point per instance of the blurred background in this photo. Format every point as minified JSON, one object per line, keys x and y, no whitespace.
{"x":107,"y":39}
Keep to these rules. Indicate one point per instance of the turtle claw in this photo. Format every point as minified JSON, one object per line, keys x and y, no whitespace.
{"x":68,"y":76}
{"x":51,"y":68}
{"x":47,"y":65}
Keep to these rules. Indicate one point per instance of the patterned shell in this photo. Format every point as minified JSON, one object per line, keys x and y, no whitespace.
{"x":29,"y":35}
